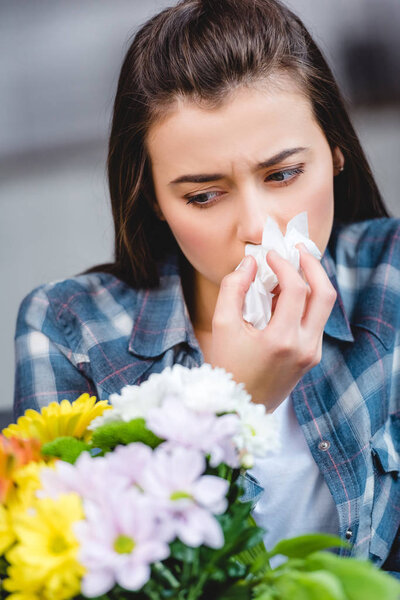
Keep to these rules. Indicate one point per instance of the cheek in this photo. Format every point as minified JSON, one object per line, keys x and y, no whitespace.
{"x":319,"y":206}
{"x":192,"y":232}
{"x":190,"y":235}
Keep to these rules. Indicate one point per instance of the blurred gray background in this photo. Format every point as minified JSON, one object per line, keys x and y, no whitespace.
{"x":59,"y":66}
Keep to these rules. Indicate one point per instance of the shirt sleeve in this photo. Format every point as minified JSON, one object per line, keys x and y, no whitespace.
{"x":47,"y":369}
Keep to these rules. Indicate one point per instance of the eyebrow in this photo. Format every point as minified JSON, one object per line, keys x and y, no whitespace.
{"x":204,"y":177}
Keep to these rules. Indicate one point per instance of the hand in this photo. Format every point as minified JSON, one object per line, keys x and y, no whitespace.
{"x":270,"y":362}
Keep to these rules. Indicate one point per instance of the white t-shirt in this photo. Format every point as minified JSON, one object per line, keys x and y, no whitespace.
{"x":296,"y":499}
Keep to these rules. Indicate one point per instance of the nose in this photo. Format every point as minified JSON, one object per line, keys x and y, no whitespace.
{"x":252,"y":215}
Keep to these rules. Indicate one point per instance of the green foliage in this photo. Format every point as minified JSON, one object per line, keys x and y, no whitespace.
{"x":111,"y":435}
{"x":360,"y":579}
{"x":256,"y":557}
{"x":239,"y":591}
{"x":292,"y":584}
{"x":303,"y":545}
{"x":240,"y":533}
{"x":67,"y":448}
{"x":326,"y":576}
{"x":104,"y":439}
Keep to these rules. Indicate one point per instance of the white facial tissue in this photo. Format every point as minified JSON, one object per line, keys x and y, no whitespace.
{"x":258,"y":300}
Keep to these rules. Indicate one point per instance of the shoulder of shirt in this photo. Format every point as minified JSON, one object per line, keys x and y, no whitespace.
{"x":367,"y":263}
{"x":367,"y":244}
{"x":84,"y":285}
{"x":94,"y":295}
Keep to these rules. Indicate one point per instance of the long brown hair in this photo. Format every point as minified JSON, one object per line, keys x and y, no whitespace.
{"x":202,"y":50}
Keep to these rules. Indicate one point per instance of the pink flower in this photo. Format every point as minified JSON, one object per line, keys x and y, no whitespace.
{"x":84,"y":477}
{"x":119,"y":539}
{"x":187,"y":498}
{"x":213,"y":435}
{"x":129,"y":461}
{"x":89,"y":476}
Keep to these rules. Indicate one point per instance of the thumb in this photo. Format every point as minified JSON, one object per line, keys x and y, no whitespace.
{"x":249,"y":266}
{"x":229,"y":306}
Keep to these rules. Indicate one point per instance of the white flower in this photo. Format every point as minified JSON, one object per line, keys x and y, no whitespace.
{"x":132,"y":402}
{"x":258,"y":433}
{"x":203,"y":389}
{"x":204,"y":394}
{"x":212,"y":389}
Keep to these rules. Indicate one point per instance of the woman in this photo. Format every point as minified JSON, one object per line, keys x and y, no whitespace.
{"x":229,"y":106}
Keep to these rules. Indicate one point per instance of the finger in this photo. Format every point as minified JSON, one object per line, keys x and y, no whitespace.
{"x":290,"y":304}
{"x":232,"y":291}
{"x":322,"y":293}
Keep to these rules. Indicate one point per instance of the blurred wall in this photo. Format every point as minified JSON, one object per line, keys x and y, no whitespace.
{"x":59,"y":65}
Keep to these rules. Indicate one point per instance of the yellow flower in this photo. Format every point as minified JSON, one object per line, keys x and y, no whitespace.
{"x":14,"y":453}
{"x":59,"y":419}
{"x":27,"y":596}
{"x":44,"y":559}
{"x":7,"y":536}
{"x":27,"y":480}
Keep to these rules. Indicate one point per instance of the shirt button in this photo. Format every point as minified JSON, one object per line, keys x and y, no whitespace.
{"x":324,"y":445}
{"x":348,"y":534}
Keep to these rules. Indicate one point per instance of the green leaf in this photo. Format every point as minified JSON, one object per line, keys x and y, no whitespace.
{"x":293,"y":584}
{"x":235,"y":569}
{"x":303,"y":545}
{"x":256,"y":553}
{"x":240,"y":541}
{"x":321,"y":585}
{"x":360,"y":579}
{"x":286,"y":587}
{"x":233,"y":524}
{"x":264,"y":592}
{"x":111,"y":435}
{"x":67,"y":448}
{"x":255,"y":557}
{"x":238,"y":591}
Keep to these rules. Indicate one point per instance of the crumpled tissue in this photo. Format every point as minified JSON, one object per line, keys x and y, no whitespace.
{"x":258,"y":299}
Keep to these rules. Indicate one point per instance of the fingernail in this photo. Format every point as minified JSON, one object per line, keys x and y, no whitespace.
{"x":246,"y":263}
{"x":302,"y":246}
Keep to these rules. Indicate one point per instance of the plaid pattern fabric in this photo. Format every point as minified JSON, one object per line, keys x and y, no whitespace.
{"x":93,"y":333}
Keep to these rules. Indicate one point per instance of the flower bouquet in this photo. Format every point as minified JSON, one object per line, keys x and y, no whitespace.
{"x":143,"y":497}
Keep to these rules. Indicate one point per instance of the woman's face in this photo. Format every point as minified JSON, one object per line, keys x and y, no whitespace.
{"x":218,"y":174}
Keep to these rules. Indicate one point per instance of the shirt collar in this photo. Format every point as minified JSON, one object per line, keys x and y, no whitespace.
{"x":163,"y":319}
{"x":338,"y":325}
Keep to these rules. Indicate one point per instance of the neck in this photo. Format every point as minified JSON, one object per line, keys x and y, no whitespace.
{"x":200,"y":296}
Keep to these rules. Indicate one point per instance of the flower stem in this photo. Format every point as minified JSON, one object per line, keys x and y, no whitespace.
{"x":166,"y":574}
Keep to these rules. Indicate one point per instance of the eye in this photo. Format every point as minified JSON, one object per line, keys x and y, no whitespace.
{"x":285,"y":175}
{"x":196,"y":200}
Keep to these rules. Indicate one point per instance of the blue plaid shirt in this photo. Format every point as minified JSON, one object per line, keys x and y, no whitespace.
{"x":93,"y":333}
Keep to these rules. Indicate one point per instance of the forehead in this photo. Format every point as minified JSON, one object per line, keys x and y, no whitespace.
{"x":257,"y":118}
